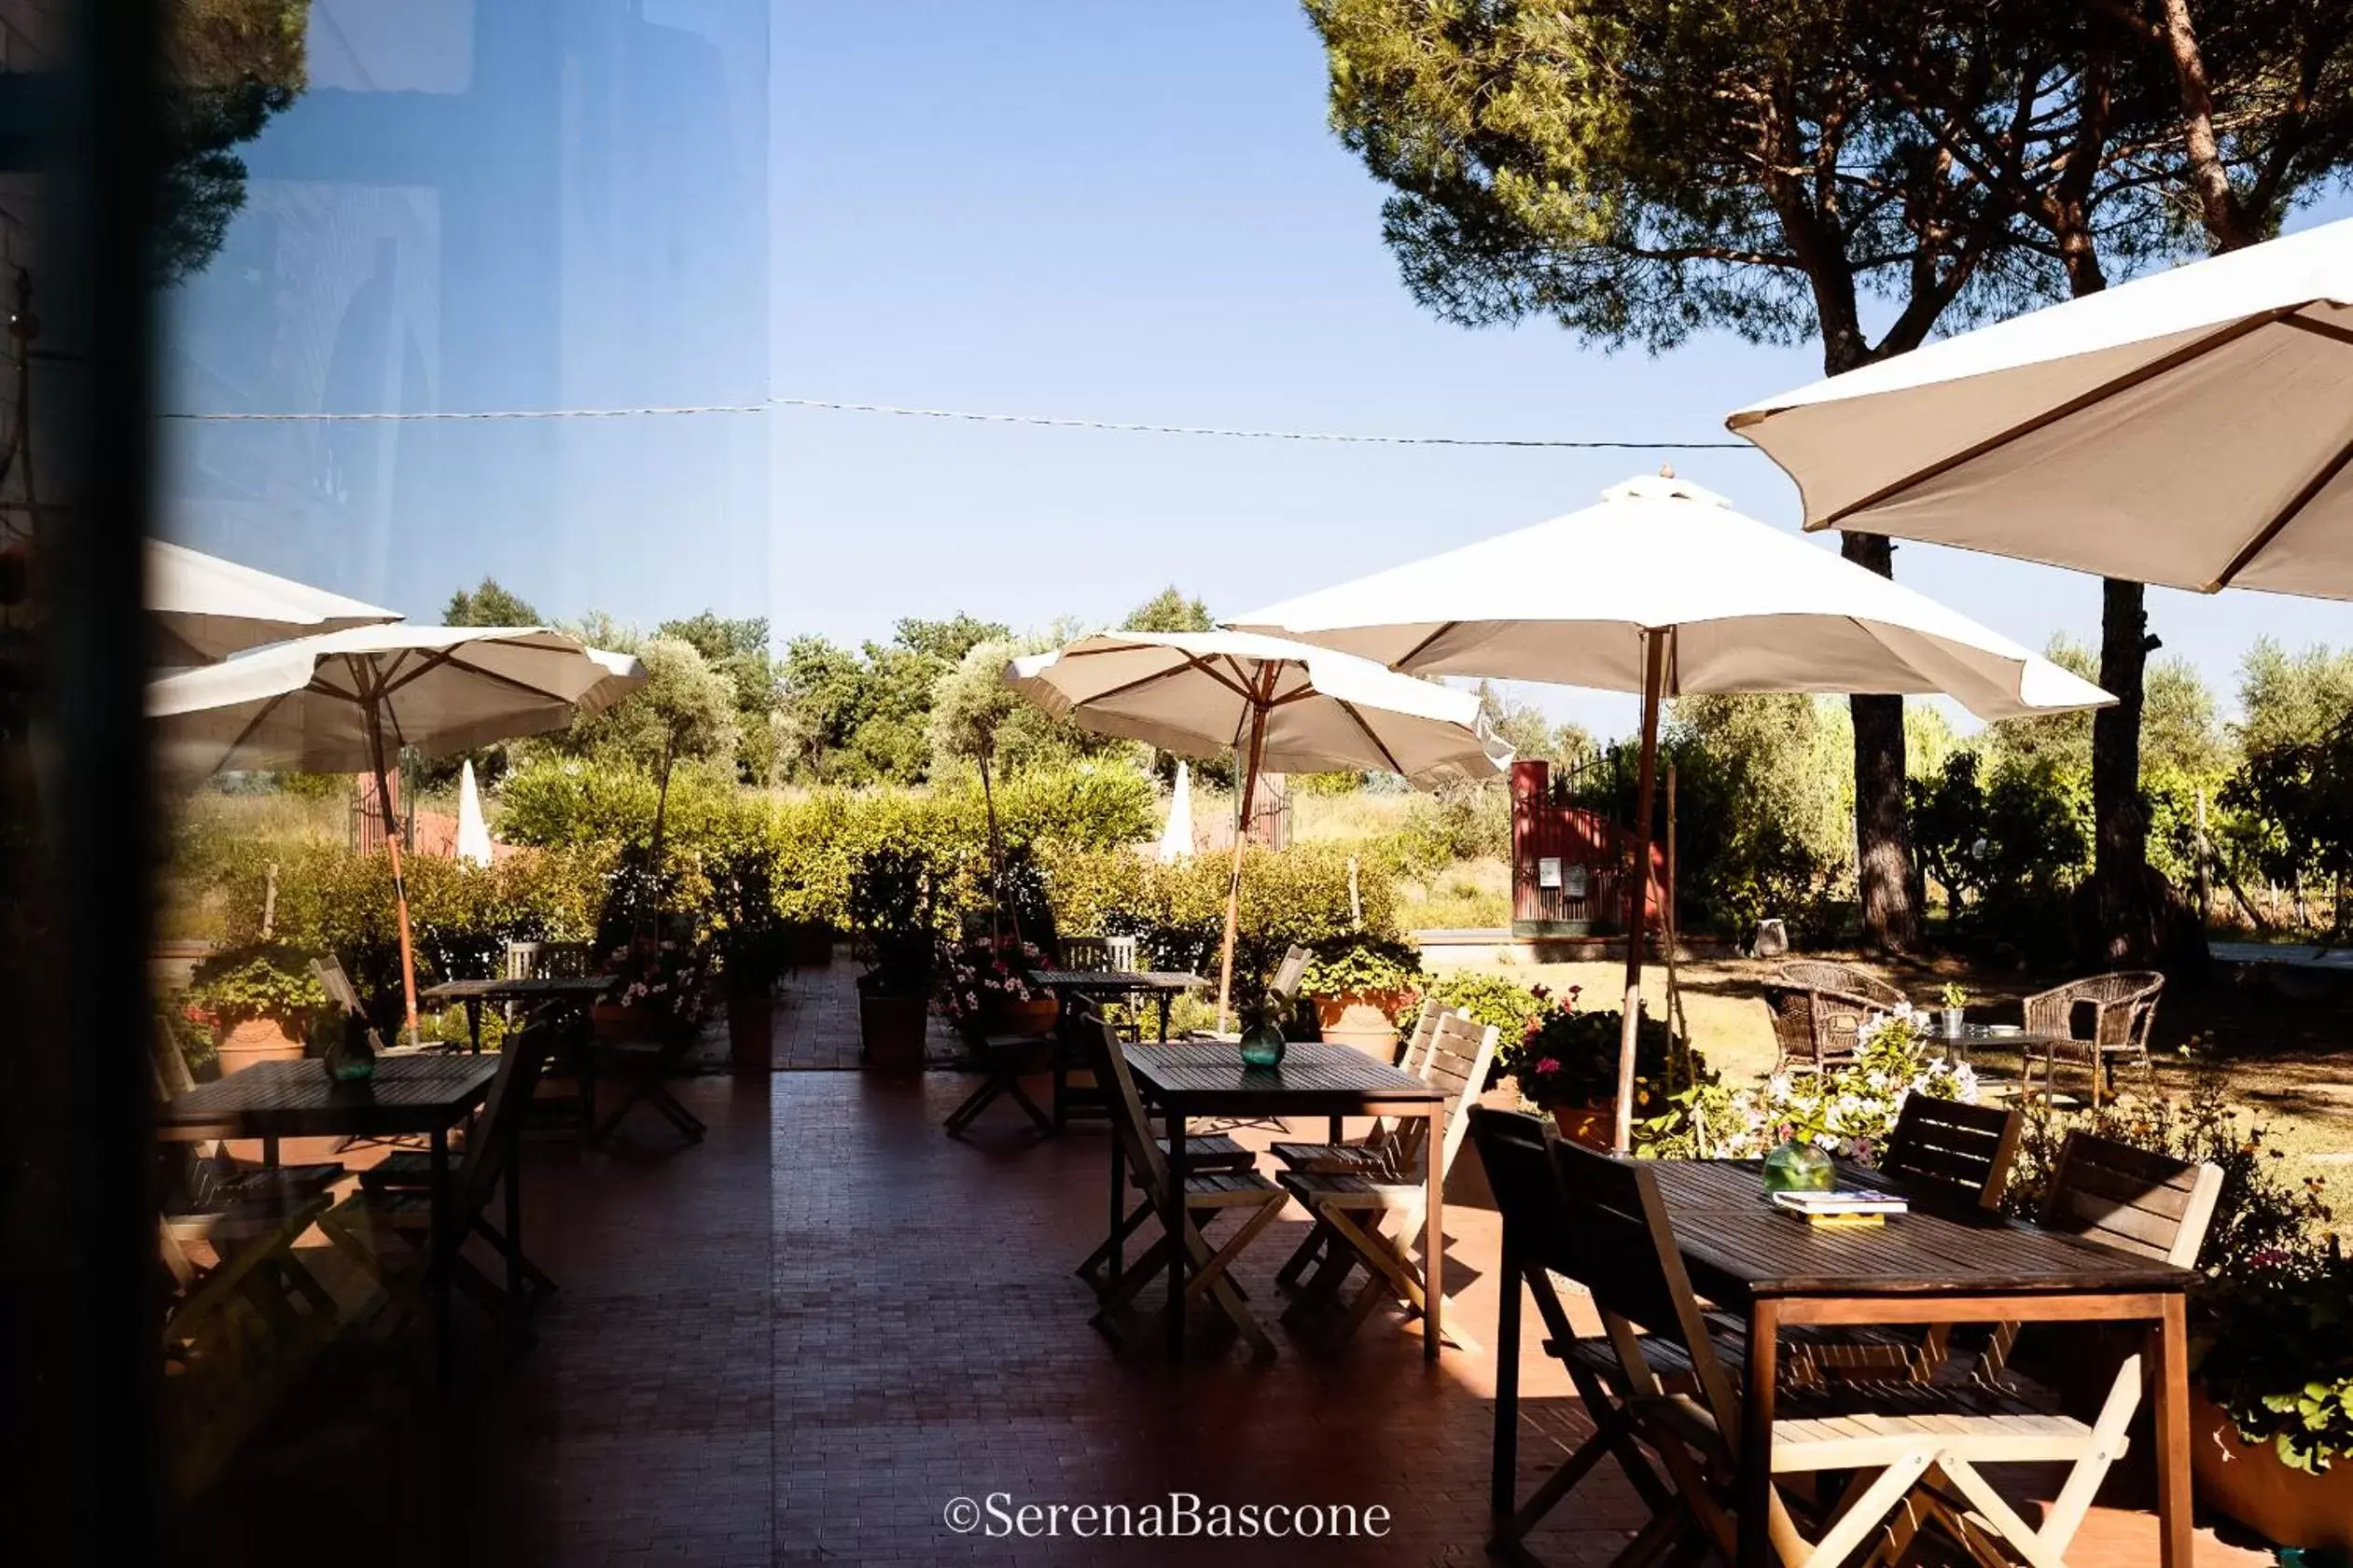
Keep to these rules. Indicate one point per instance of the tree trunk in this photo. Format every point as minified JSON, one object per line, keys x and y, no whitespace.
{"x":2120,"y":831}
{"x":2207,"y":177}
{"x":1883,"y":829}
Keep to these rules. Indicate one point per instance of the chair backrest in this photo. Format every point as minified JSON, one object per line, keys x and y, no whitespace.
{"x":1624,"y":1251}
{"x":2132,"y":1200}
{"x":492,"y":1141}
{"x":1122,"y":955}
{"x":1086,"y":953}
{"x":1461,"y":1050}
{"x":1413,"y":1055}
{"x":1129,"y":1123}
{"x":1294,"y":969}
{"x":2124,"y":1004}
{"x":1945,"y":1150}
{"x":337,"y":984}
{"x":1815,"y":974}
{"x":1516,"y":1149}
{"x":523,"y":959}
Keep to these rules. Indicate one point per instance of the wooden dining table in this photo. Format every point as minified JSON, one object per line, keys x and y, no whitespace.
{"x":1312,"y":1080}
{"x":426,"y":1094}
{"x":1162,"y":985}
{"x":574,"y":992}
{"x":1924,"y":1267}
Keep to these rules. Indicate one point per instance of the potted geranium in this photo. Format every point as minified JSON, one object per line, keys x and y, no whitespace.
{"x":891,"y":915}
{"x":260,"y":1002}
{"x":1357,"y":988}
{"x":2274,"y":1366}
{"x":754,"y":943}
{"x":1565,"y":1061}
{"x":985,"y":988}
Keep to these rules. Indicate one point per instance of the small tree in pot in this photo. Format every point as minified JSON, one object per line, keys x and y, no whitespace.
{"x":754,"y":945}
{"x":892,"y":915}
{"x":261,"y":1003}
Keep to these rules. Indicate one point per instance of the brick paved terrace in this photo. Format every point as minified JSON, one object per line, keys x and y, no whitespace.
{"x":800,"y":1340}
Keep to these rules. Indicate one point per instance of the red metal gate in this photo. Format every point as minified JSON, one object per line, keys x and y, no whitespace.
{"x":1569,"y":865}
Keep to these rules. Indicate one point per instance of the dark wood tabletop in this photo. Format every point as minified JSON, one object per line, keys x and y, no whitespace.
{"x":1117,"y":979}
{"x":1739,"y":1249}
{"x":1314,"y":1080}
{"x":297,"y":1099}
{"x":517,"y":989}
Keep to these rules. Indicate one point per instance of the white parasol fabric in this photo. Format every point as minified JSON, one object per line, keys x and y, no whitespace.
{"x":473,"y":829}
{"x":203,"y":608}
{"x":1754,"y":610}
{"x":1665,"y":589}
{"x":1176,"y":834}
{"x":2193,"y":428}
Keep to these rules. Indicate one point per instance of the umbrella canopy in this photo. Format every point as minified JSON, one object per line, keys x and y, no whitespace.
{"x":1196,"y":693}
{"x":1278,"y":704}
{"x":1176,"y":834}
{"x":204,"y":609}
{"x":1753,"y":610}
{"x":326,"y":704}
{"x":2193,"y":428}
{"x":473,"y":830}
{"x":306,"y":704}
{"x":1665,"y":589}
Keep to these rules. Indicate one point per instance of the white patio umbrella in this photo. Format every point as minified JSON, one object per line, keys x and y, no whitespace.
{"x":325,"y":704}
{"x":2193,"y":428}
{"x":203,"y":608}
{"x":1280,"y":706}
{"x":1665,"y":589}
{"x":1176,"y":834}
{"x":473,"y":829}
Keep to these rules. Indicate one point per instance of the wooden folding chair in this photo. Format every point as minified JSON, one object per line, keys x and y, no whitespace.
{"x":1076,"y":1045}
{"x":1952,"y":1158}
{"x":1380,"y":1152}
{"x":1207,"y":1194}
{"x":390,"y":1207}
{"x":643,"y":1067}
{"x":1357,"y":1209}
{"x":1004,"y":1061}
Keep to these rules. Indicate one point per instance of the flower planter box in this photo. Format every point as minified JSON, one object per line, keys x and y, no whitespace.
{"x":1593,"y":1126}
{"x":256,"y":1039}
{"x":2291,"y":1508}
{"x":751,"y":1031}
{"x":891,"y":1028}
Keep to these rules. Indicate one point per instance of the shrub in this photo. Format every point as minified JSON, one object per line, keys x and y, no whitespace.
{"x":1849,"y":1112}
{"x":2276,"y":1352}
{"x":1359,"y":964}
{"x":272,"y":982}
{"x":1485,"y":998}
{"x":1567,"y":1056}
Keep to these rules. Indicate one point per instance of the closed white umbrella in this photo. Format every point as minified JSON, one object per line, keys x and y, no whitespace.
{"x":325,"y":704}
{"x":473,"y":830}
{"x":2193,"y":428}
{"x":1176,"y":834}
{"x":1665,"y":589}
{"x":203,"y":608}
{"x":1278,"y":706}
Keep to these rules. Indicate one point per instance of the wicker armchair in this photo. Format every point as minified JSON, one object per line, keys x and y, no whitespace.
{"x":2124,"y":1008}
{"x":1818,"y":1010}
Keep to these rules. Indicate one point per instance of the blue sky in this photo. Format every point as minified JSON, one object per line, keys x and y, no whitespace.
{"x":1132,"y":212}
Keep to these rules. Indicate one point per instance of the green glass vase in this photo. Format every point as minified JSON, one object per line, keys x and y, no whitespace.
{"x":1262,"y":1044}
{"x":1799,"y":1166}
{"x":350,"y":1057}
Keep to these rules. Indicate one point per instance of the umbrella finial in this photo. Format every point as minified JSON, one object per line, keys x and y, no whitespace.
{"x":1667,"y":470}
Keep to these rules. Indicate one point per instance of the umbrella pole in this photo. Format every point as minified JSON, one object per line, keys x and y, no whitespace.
{"x":1233,"y":882}
{"x":1653,"y":672}
{"x":400,"y":883}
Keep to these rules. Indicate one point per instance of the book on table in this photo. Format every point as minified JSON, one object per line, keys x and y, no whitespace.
{"x":1842,"y":1206}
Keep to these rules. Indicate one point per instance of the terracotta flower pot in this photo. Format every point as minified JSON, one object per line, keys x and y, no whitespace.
{"x":751,"y":1031}
{"x":1333,"y":1011}
{"x":1594,"y":1127}
{"x":2291,"y":1508}
{"x":257,"y":1039}
{"x":891,"y":1028}
{"x":1025,"y":1017}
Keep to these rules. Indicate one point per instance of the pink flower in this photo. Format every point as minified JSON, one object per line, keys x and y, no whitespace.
{"x":1548,"y":1065}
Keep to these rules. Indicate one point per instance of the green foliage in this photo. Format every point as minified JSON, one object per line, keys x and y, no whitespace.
{"x":489,"y":605}
{"x":229,"y":65}
{"x":1849,"y":1112}
{"x":1485,"y":998}
{"x":684,"y":712}
{"x":1299,"y":896}
{"x":1524,"y":729}
{"x":1169,"y":611}
{"x":894,"y":920}
{"x":1360,"y":965}
{"x":271,"y":981}
{"x":2007,"y":854}
{"x":2276,"y":1352}
{"x":743,"y":912}
{"x":853,"y":718}
{"x":1763,"y":806}
{"x":737,"y":651}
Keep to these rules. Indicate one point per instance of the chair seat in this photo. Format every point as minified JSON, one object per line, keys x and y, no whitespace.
{"x":1861,"y":1425}
{"x":401,"y":1209}
{"x":1333,"y":1158}
{"x":1212,"y":1151}
{"x":2080,"y":1051}
{"x":1342,"y":1189}
{"x":1218,"y":1189}
{"x":1022,"y":1054}
{"x":246,"y":1218}
{"x":403,"y":1169}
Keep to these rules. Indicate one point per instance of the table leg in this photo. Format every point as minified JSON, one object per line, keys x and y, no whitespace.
{"x":1503,"y":1482}
{"x":2172,"y":1417}
{"x":1165,"y":997}
{"x":1337,"y":1132}
{"x":1119,"y":1184}
{"x":473,"y":1026}
{"x":1173,"y":1218}
{"x":269,"y":1153}
{"x":439,"y":1252}
{"x":1756,"y":1435}
{"x":585,"y":1079}
{"x":1434,"y":1242}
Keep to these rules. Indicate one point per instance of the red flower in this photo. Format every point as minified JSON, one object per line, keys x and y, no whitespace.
{"x":1549,"y":1064}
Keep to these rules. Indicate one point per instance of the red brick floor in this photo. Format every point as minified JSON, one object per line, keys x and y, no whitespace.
{"x":801,"y":1339}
